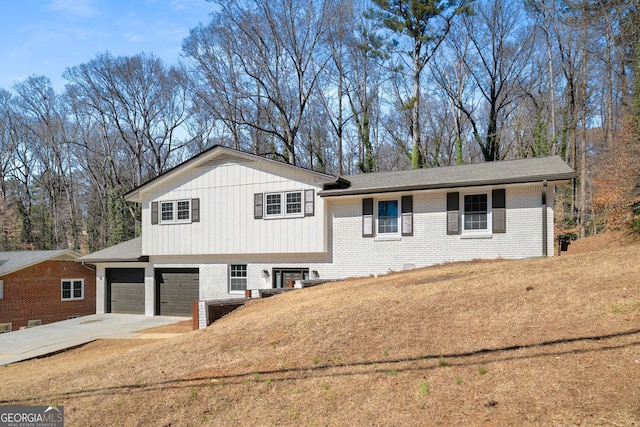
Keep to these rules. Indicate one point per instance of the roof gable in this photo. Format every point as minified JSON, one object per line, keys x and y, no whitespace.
{"x":215,"y":156}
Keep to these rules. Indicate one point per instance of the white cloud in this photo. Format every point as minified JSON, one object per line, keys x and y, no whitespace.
{"x":203,"y":7}
{"x":76,"y":8}
{"x":178,"y":4}
{"x":133,"y":37}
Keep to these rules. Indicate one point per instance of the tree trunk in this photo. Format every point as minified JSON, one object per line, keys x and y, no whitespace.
{"x":552,"y":95}
{"x":417,"y":160}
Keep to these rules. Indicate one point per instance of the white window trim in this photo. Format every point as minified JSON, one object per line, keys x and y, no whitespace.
{"x":174,"y":204}
{"x":378,"y":234}
{"x":246,"y":279}
{"x":266,"y":205}
{"x":486,"y":231}
{"x":283,"y":205}
{"x":388,"y":238}
{"x":72,"y":298}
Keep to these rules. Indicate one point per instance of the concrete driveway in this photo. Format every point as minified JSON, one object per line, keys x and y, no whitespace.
{"x":26,"y":344}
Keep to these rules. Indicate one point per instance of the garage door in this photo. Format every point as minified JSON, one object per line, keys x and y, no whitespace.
{"x":176,"y":289}
{"x":125,"y":290}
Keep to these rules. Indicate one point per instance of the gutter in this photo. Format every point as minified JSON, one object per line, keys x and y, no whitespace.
{"x":91,"y":267}
{"x":143,"y":258}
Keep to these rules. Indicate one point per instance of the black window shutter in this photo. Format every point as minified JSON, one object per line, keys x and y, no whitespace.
{"x":195,"y":210}
{"x":309,"y":200}
{"x":407,"y":215}
{"x":257,"y":206}
{"x":154,"y":213}
{"x":499,"y":211}
{"x":453,"y":213}
{"x":367,"y":217}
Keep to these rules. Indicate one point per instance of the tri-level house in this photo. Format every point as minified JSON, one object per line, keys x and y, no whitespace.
{"x":226,"y":221}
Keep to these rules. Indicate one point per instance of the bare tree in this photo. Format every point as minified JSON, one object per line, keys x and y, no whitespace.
{"x":8,"y":163}
{"x":43,"y":118}
{"x":273,"y":57}
{"x":331,"y":89}
{"x":7,"y":140}
{"x":501,"y":46}
{"x":452,"y":77}
{"x":136,"y":107}
{"x":143,"y":101}
{"x":218,"y":78}
{"x":366,"y":56}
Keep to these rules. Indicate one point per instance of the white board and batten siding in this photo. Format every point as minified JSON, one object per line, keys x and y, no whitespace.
{"x":227,"y":225}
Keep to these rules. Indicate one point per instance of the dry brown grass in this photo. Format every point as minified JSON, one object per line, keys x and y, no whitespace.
{"x":174,"y":328}
{"x":603,"y":241}
{"x":527,"y":343}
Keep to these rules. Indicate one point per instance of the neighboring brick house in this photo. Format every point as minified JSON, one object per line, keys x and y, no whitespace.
{"x":226,"y":221}
{"x":38,"y":287}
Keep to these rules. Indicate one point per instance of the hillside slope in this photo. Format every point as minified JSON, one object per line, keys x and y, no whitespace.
{"x":536,"y":342}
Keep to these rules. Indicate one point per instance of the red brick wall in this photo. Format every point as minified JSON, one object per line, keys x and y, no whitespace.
{"x":35,"y":293}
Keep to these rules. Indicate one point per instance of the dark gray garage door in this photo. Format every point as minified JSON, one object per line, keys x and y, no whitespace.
{"x":177,"y":289}
{"x":125,"y":290}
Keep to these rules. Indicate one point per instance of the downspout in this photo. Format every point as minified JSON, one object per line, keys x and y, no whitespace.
{"x":544,"y":219}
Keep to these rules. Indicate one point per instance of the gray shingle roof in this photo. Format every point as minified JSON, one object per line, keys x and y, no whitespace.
{"x":489,"y":173}
{"x":17,"y":260}
{"x":129,"y":251}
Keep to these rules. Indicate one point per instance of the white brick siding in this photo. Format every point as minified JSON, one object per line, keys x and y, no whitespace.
{"x":101,"y":283}
{"x":354,"y":255}
{"x":202,"y":315}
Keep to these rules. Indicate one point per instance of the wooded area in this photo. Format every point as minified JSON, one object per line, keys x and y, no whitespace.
{"x":338,"y":86}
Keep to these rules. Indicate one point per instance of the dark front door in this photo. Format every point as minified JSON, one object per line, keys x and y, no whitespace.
{"x":176,"y":290}
{"x":282,"y":277}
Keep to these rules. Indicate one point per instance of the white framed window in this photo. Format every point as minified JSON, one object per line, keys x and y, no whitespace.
{"x":175,"y":211}
{"x":285,"y":204}
{"x":183,"y":210}
{"x":237,"y":278}
{"x":72,"y":289}
{"x":274,"y":204}
{"x":166,"y":212}
{"x":294,"y":203}
{"x":388,"y":217}
{"x":475,"y":212}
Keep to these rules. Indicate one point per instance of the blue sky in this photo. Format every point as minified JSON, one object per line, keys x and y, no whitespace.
{"x":44,"y":37}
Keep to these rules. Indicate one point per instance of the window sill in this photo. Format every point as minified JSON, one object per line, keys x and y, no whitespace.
{"x":476,"y":236}
{"x":271,"y":217}
{"x":387,"y":238}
